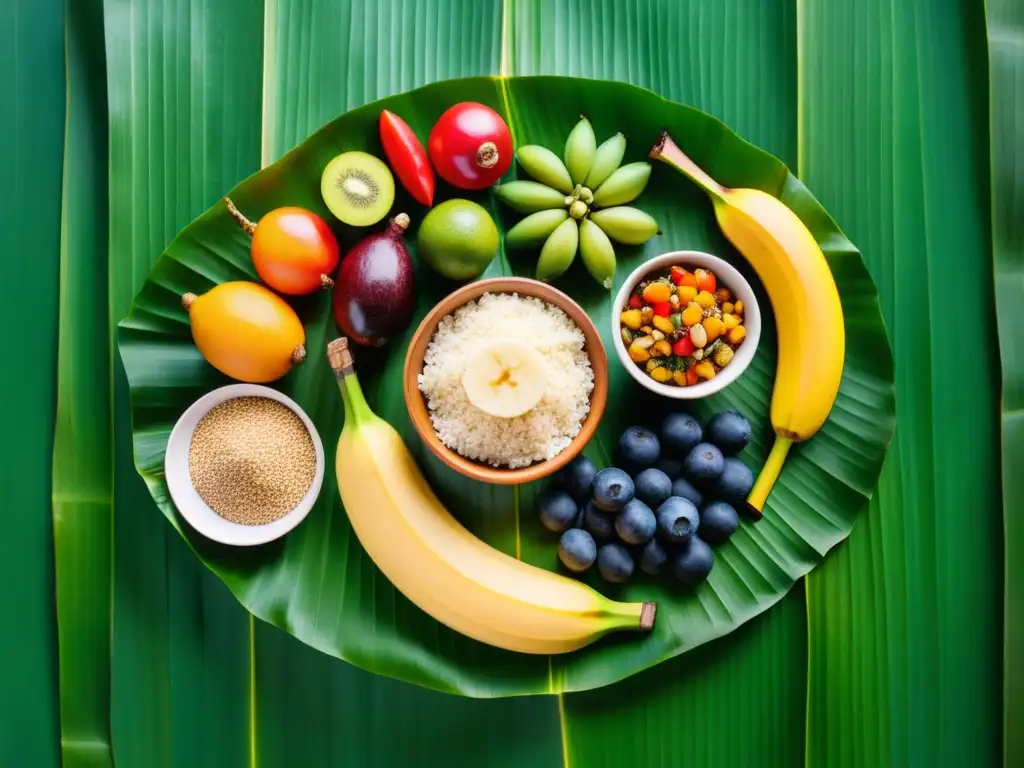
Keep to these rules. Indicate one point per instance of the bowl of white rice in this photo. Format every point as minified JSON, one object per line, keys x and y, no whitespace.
{"x":498,"y":449}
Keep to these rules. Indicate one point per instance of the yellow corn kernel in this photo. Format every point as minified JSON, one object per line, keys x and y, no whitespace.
{"x":651,"y":365}
{"x":692,"y":314}
{"x":727,"y":308}
{"x":705,"y":370}
{"x":722,"y":295}
{"x":730,"y":321}
{"x":738,"y":307}
{"x":638,"y":354}
{"x":656,"y":292}
{"x":705,"y":299}
{"x":663,"y":324}
{"x":631,"y":319}
{"x":737,"y":334}
{"x":679,"y":377}
{"x":686,"y":293}
{"x":661,"y":374}
{"x":661,"y":349}
{"x":714,"y":327}
{"x":723,"y":354}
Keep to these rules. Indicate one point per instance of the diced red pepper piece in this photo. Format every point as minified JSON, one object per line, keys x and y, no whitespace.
{"x":707,"y":282}
{"x":676,"y":275}
{"x":636,"y":302}
{"x":691,"y":376}
{"x":662,"y":308}
{"x":684,"y":347}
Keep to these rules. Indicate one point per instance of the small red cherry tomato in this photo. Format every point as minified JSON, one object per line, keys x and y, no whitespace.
{"x":684,"y":347}
{"x":635,"y":302}
{"x":407,"y":157}
{"x":470,"y":146}
{"x":662,"y":308}
{"x":676,"y":275}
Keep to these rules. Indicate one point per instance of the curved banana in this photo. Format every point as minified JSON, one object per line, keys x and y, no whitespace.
{"x":439,"y":565}
{"x":808,"y":313}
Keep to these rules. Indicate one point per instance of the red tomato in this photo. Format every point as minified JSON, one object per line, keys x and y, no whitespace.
{"x":470,"y":146}
{"x":676,"y":275}
{"x":662,"y":308}
{"x":684,"y":347}
{"x":407,"y":157}
{"x":635,"y":302}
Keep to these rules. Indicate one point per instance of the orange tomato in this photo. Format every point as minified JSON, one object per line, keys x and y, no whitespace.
{"x":294,"y":251}
{"x":706,"y":280}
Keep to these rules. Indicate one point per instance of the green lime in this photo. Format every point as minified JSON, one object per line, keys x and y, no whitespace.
{"x":458,"y":239}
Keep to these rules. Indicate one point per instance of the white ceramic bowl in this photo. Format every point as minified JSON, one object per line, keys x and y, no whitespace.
{"x":731,"y":279}
{"x":190,"y":504}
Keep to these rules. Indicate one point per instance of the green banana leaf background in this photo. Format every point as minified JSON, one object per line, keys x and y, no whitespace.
{"x":129,"y":118}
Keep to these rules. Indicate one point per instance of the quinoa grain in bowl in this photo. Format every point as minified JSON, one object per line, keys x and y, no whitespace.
{"x":507,"y":380}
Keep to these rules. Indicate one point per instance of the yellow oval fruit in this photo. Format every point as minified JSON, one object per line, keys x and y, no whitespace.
{"x":246,"y":331}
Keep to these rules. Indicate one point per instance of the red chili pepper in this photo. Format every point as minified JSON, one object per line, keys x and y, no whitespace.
{"x":407,"y":157}
{"x":636,"y":302}
{"x":662,"y":308}
{"x":684,"y":347}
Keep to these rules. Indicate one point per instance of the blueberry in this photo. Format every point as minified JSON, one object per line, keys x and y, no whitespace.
{"x":639,"y":447}
{"x":678,"y":519}
{"x":704,"y":463}
{"x":612,"y":489}
{"x":735,"y":482}
{"x":652,"y":486}
{"x":577,"y":550}
{"x":730,"y":431}
{"x":680,"y":432}
{"x":577,"y":476}
{"x":694,"y":561}
{"x":671,"y":467}
{"x":635,"y":524}
{"x":683,"y":488}
{"x":597,"y":522}
{"x":557,"y":510}
{"x":614,"y":563}
{"x":718,"y":520}
{"x":653,"y":558}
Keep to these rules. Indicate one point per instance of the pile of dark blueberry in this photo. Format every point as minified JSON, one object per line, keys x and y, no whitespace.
{"x":671,"y":495}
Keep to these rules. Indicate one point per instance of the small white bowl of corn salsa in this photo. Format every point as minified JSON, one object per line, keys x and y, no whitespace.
{"x":686,"y":324}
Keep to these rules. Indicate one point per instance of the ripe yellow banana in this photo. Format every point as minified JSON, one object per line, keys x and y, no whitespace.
{"x":442,"y":567}
{"x":808,"y":313}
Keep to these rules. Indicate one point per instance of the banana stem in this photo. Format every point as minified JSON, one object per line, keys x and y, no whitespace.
{"x":668,"y":152}
{"x":769,"y":474}
{"x":342,"y":363}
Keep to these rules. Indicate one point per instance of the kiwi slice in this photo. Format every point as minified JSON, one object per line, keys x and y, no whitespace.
{"x":358,"y":188}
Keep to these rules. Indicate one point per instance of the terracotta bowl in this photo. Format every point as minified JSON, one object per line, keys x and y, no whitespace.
{"x":417,"y":404}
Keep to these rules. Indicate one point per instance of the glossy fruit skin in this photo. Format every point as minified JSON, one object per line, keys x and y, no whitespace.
{"x":635,"y":524}
{"x":678,"y":520}
{"x":407,"y":157}
{"x":577,"y":477}
{"x":680,"y":432}
{"x":735,"y":482}
{"x":458,"y":239}
{"x":294,"y":250}
{"x":600,"y":524}
{"x":653,"y":558}
{"x":694,"y":561}
{"x":557,"y":510}
{"x":639,"y":447}
{"x":577,"y":550}
{"x":374,"y":294}
{"x":730,"y":431}
{"x":684,"y":489}
{"x":614,"y":563}
{"x":704,"y":463}
{"x":718,"y":521}
{"x":652,"y":486}
{"x":470,"y":146}
{"x":246,"y":331}
{"x":613,"y":489}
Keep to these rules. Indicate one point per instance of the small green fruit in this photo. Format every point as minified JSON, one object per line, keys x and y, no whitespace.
{"x":458,"y":239}
{"x":529,"y":196}
{"x":578,"y":210}
{"x":625,"y":224}
{"x":579,"y":150}
{"x":535,"y":228}
{"x":545,"y":166}
{"x":606,"y":160}
{"x":623,"y":186}
{"x":559,"y":250}
{"x":597,"y":253}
